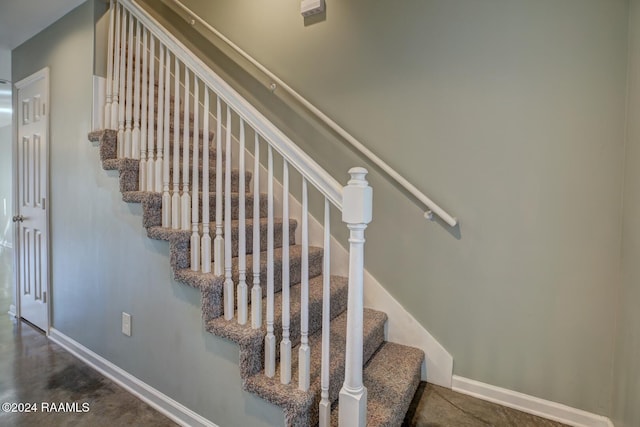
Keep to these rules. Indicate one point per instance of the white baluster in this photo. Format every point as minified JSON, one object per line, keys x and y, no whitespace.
{"x":218,"y":243}
{"x":143,"y":120}
{"x":157,"y":177}
{"x":285,"y":344}
{"x":121,"y":91}
{"x":166,"y":197}
{"x":135,"y":134}
{"x":116,"y":70}
{"x":242,"y":238}
{"x":256,"y":291}
{"x":270,"y":339}
{"x":304,"y":353}
{"x":151,"y":136}
{"x":175,"y":197}
{"x":356,"y":213}
{"x":186,"y":197}
{"x":228,"y":281}
{"x":206,"y":236}
{"x":325,"y":403}
{"x":109,"y":88}
{"x":195,"y":237}
{"x":129,"y":91}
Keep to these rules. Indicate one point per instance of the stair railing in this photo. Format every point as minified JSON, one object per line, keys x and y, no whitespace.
{"x":159,"y":99}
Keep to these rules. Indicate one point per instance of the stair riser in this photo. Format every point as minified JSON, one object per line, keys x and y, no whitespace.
{"x":152,"y":208}
{"x":109,"y":148}
{"x":130,"y":173}
{"x":180,"y":241}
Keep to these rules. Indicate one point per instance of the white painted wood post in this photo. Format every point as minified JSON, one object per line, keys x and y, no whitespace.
{"x":129,"y":91}
{"x":229,"y":300}
{"x":151,"y":128}
{"x":166,"y":197}
{"x":206,"y":235}
{"x":143,"y":119}
{"x":218,"y":241}
{"x":325,"y":403}
{"x":186,"y":196}
{"x":270,"y":339}
{"x":195,"y":205}
{"x":135,"y":134}
{"x":285,"y":344}
{"x":256,"y":291}
{"x":121,"y":90}
{"x":304,"y":353}
{"x":109,"y":88}
{"x":356,"y":213}
{"x":175,"y":196}
{"x":242,"y":236}
{"x":116,"y":70}
{"x":157,"y":177}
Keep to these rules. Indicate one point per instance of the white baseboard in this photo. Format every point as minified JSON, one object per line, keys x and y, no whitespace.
{"x":12,"y":310}
{"x":530,"y":404}
{"x":159,"y":401}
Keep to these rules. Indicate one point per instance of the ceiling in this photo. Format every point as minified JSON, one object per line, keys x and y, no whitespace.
{"x":19,"y":21}
{"x":22,"y":19}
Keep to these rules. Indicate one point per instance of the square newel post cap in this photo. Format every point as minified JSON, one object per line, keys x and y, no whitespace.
{"x":357,"y":198}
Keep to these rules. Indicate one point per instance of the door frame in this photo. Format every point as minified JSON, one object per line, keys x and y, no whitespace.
{"x":43,"y":73}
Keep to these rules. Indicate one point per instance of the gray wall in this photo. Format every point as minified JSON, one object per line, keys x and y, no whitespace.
{"x":509,"y":114}
{"x":5,"y":64}
{"x":626,"y":412}
{"x":103,"y":264}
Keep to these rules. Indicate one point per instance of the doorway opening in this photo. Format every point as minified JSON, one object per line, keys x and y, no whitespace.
{"x":7,"y":297}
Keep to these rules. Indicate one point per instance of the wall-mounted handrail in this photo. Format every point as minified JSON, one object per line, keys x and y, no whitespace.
{"x":432,"y":207}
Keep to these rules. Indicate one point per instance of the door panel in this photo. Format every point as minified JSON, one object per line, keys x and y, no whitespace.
{"x":32,"y":248}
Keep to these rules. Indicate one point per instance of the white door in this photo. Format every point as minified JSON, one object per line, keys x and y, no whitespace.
{"x":32,"y":247}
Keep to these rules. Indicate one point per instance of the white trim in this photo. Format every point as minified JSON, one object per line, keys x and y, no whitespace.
{"x":12,"y":310}
{"x":44,"y":73}
{"x":99,"y":99}
{"x":159,"y":401}
{"x":530,"y":404}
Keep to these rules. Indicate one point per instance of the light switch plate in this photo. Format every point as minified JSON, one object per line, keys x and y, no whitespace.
{"x":126,"y":324}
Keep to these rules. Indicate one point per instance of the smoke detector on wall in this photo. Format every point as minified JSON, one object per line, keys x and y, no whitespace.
{"x":311,"y":7}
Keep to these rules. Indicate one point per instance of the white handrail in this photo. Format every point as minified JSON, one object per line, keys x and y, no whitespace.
{"x":433,"y":208}
{"x":326,"y":184}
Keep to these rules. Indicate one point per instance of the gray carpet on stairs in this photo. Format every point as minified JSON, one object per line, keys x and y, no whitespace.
{"x":392,"y":371}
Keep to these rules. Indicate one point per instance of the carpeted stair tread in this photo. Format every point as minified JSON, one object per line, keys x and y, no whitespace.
{"x":152,"y":207}
{"x":183,"y":272}
{"x":391,"y":377}
{"x":168,"y":234}
{"x":301,"y":408}
{"x":251,"y":340}
{"x":295,"y":263}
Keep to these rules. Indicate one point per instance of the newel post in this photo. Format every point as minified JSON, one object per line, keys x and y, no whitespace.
{"x":356,"y":213}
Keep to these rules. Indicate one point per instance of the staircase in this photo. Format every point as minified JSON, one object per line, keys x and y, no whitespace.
{"x":306,"y":344}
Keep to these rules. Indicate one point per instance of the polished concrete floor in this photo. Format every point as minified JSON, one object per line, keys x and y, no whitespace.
{"x":35,"y":370}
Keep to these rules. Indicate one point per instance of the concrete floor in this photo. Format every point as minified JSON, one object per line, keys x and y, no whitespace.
{"x":35,"y":370}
